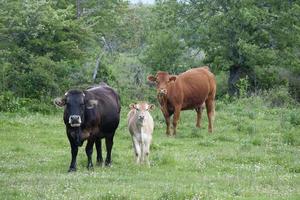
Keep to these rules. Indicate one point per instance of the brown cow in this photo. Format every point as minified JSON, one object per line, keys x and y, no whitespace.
{"x":186,"y":91}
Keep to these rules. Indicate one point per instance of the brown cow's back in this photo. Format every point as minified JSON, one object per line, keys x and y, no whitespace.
{"x":192,"y":88}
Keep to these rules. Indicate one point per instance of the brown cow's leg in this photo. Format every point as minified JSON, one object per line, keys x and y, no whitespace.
{"x":175,"y":119}
{"x":89,"y":152}
{"x":210,"y":107}
{"x":109,"y":141}
{"x":99,"y":152}
{"x":199,"y":116}
{"x":167,"y":120}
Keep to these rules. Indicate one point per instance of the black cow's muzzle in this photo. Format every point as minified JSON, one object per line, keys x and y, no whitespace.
{"x":75,"y":120}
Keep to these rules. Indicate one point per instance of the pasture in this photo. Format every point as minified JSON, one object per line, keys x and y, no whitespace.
{"x":253,"y":154}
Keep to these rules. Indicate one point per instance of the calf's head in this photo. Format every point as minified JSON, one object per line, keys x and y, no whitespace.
{"x":75,"y":103}
{"x":141,"y":111}
{"x":162,"y":79}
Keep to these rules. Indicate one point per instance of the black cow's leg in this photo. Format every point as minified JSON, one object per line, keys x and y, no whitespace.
{"x":109,"y":141}
{"x":74,"y":151}
{"x":99,"y":152}
{"x":89,"y":152}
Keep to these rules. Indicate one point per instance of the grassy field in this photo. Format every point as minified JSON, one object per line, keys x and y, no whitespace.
{"x":254,"y":153}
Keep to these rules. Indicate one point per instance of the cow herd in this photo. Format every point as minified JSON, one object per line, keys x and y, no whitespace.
{"x":94,"y":114}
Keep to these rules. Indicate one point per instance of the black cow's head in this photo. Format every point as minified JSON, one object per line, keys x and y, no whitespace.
{"x":75,"y":103}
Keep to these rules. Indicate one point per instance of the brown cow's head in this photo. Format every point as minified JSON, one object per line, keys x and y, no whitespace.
{"x":75,"y":103}
{"x":162,"y":79}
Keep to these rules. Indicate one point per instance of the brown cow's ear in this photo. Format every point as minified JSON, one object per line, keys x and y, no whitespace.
{"x":151,"y":78}
{"x":151,"y":107}
{"x":61,"y":102}
{"x":132,"y":106}
{"x":172,"y":78}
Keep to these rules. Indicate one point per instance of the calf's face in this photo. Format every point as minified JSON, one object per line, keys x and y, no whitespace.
{"x":141,"y":111}
{"x":162,"y":79}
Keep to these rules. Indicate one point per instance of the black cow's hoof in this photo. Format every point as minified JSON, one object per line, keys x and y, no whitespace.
{"x":72,"y":169}
{"x":107,"y":164}
{"x":99,"y":163}
{"x":90,"y":167}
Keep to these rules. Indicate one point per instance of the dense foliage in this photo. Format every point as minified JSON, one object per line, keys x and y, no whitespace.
{"x":48,"y":47}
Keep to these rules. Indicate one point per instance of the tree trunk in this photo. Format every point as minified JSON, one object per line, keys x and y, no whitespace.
{"x":96,"y":68}
{"x":78,"y":8}
{"x":236,"y":72}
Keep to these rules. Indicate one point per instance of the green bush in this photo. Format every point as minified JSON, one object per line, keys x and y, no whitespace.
{"x":222,"y":84}
{"x":295,"y":118}
{"x":278,"y":97}
{"x":10,"y":103}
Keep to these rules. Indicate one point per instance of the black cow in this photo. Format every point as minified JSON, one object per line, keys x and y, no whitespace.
{"x":91,"y":115}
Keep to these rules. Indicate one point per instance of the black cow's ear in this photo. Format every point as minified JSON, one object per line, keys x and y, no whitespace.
{"x":172,"y":78}
{"x":91,"y":104}
{"x":151,"y":78}
{"x":151,"y":107}
{"x":132,"y":106}
{"x":60,"y":102}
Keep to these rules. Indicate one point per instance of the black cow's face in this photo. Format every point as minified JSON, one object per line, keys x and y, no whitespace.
{"x":75,"y":103}
{"x":75,"y":108}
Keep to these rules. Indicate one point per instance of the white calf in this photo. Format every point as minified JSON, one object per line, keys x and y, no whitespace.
{"x":140,"y":125}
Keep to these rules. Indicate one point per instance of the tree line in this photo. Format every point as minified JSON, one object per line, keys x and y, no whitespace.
{"x":46,"y":47}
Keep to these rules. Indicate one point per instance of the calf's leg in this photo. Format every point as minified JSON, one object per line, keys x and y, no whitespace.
{"x":137,"y":149}
{"x":147,"y":151}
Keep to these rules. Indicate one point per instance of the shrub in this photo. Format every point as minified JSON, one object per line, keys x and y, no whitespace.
{"x":10,"y":103}
{"x":291,"y":138}
{"x":295,"y":118}
{"x":278,"y":97}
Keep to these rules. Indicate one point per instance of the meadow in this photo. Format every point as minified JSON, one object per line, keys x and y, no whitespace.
{"x":253,"y":154}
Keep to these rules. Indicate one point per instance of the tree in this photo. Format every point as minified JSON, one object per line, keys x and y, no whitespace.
{"x":243,"y":36}
{"x":43,"y":48}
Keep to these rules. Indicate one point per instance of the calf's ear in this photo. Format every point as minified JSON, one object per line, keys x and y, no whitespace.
{"x":151,"y":78}
{"x":172,"y":78}
{"x":60,"y":102}
{"x":151,"y":107}
{"x":132,"y":106}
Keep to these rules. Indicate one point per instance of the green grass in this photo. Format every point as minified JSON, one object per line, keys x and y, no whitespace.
{"x":254,"y":153}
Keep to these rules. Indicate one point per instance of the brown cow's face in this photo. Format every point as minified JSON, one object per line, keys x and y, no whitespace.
{"x":162,"y":79}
